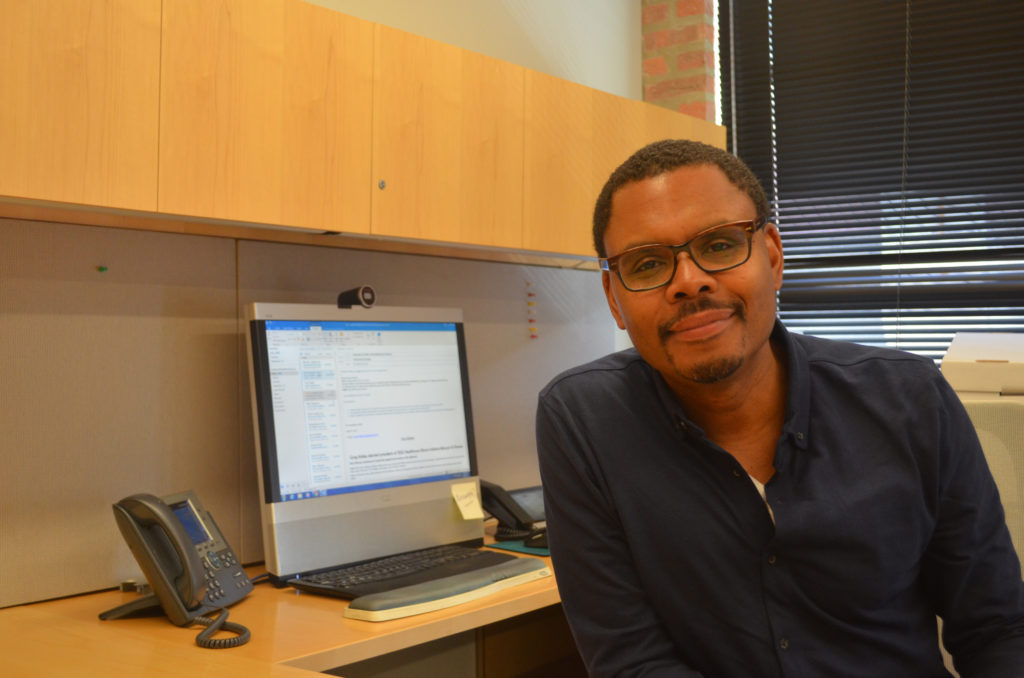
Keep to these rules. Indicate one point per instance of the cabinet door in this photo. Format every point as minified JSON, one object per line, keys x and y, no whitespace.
{"x":575,"y":138}
{"x":559,"y":152}
{"x":447,"y":143}
{"x":78,"y":101}
{"x":265,"y":113}
{"x":663,"y":123}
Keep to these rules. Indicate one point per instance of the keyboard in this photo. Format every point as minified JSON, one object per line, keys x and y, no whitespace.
{"x":399,"y":571}
{"x":446,"y":592}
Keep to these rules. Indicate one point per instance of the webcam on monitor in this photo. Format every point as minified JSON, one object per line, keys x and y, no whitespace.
{"x":357,"y":296}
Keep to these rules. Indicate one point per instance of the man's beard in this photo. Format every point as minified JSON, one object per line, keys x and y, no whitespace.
{"x":713,"y":370}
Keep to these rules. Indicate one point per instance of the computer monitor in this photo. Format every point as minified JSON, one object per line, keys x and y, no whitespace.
{"x":363,"y":426}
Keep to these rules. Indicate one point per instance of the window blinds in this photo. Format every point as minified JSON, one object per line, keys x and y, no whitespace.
{"x":889,"y":138}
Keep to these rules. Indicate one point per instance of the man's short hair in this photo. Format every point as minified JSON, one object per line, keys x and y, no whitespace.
{"x":665,"y":156}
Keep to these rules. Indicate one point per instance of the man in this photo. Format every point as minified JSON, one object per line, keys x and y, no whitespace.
{"x":729,"y":499}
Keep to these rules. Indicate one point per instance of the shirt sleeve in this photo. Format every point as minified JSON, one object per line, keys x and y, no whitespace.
{"x":971,"y":569}
{"x":616,"y":630}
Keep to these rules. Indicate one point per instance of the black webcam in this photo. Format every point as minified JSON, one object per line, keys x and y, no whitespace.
{"x":357,"y":296}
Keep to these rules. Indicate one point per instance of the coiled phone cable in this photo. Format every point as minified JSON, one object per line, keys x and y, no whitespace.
{"x":220,"y":623}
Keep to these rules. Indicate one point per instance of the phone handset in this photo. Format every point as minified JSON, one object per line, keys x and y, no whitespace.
{"x":165,"y":554}
{"x":187,"y":562}
{"x":511,"y":516}
{"x":514,"y":521}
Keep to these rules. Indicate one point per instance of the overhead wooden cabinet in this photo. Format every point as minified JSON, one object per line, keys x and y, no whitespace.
{"x":575,"y":137}
{"x":265,"y":113}
{"x":78,"y":101}
{"x":447,"y":143}
{"x":220,"y":115}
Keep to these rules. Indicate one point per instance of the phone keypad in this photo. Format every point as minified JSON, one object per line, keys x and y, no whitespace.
{"x":216,"y":562}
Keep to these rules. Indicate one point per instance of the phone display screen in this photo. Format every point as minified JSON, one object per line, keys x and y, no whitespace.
{"x":532,"y":501}
{"x":193,"y":525}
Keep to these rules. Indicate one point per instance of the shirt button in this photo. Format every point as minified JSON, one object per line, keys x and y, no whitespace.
{"x":771,"y":559}
{"x":799,"y":435}
{"x":784,"y":643}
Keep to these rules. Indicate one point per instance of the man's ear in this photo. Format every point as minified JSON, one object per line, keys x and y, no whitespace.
{"x":773,"y":241}
{"x":613,"y":303}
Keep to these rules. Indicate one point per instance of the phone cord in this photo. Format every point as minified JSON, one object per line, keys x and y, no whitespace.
{"x":220,"y":623}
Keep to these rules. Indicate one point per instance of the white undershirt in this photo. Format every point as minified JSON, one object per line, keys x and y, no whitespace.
{"x":764,"y":495}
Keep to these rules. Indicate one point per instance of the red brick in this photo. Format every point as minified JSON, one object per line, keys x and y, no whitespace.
{"x":695,"y":59}
{"x":698,"y":109}
{"x":654,"y":13}
{"x":694,"y":7}
{"x":671,"y":36}
{"x":670,"y":88}
{"x":679,"y":36}
{"x":655,"y":66}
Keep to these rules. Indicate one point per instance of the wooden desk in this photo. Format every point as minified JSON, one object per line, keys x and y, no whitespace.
{"x":292,"y":633}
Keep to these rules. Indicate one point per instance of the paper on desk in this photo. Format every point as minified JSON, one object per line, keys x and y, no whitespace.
{"x":467,"y":496}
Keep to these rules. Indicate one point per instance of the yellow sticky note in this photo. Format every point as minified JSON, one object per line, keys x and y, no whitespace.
{"x":467,"y":496}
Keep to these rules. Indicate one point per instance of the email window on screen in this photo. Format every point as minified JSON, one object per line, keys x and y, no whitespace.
{"x":365,"y":405}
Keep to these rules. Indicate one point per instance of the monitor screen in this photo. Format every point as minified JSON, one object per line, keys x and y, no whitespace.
{"x":362,"y":404}
{"x":355,"y":410}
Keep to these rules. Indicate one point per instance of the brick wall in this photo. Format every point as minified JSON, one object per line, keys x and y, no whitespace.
{"x":679,"y":55}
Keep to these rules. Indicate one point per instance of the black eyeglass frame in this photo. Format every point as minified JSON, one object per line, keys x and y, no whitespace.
{"x":751,"y":226}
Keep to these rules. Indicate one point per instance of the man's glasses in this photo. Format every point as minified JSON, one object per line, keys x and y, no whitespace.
{"x":717,"y":249}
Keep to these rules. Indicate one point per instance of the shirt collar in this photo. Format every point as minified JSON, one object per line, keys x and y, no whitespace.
{"x":798,"y":400}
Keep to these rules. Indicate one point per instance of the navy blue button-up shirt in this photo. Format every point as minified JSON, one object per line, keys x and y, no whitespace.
{"x":885,"y":515}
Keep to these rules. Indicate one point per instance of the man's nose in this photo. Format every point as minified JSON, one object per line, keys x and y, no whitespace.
{"x":689,"y":279}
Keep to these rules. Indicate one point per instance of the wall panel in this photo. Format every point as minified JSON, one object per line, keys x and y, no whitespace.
{"x":133,"y":378}
{"x":113,"y":381}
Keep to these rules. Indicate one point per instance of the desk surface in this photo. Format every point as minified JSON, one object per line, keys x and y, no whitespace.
{"x":292,"y":633}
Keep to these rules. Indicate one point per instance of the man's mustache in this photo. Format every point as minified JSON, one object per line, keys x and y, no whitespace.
{"x":696,"y":306}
